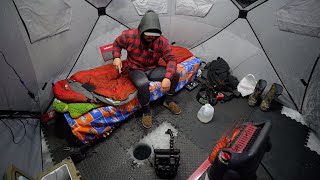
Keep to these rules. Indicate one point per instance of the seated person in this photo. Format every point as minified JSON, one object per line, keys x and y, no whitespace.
{"x":145,"y":45}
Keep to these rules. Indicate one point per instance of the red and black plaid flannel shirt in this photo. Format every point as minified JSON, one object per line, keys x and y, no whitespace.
{"x":144,"y":56}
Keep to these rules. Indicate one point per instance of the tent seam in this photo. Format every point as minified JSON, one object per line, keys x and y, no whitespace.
{"x":296,"y":106}
{"x":76,"y":59}
{"x":84,"y":46}
{"x":117,"y":21}
{"x":108,"y":4}
{"x":24,"y":24}
{"x":255,"y":6}
{"x":91,"y":4}
{"x":308,"y":83}
{"x":235,"y":5}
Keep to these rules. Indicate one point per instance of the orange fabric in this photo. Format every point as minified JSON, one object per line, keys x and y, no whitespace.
{"x":180,"y":53}
{"x":106,"y":80}
{"x":83,"y":126}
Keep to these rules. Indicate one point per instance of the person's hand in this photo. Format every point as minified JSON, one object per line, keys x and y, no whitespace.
{"x":118,"y":64}
{"x":165,"y":85}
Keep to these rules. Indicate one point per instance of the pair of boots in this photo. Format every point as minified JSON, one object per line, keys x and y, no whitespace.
{"x":147,"y":116}
{"x":255,"y":97}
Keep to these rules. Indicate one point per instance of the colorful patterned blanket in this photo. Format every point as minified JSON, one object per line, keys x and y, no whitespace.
{"x":102,"y":120}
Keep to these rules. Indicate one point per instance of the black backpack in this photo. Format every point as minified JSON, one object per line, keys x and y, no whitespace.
{"x":214,"y":79}
{"x":218,"y":76}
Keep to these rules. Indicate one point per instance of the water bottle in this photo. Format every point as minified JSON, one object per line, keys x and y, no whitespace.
{"x":205,"y":114}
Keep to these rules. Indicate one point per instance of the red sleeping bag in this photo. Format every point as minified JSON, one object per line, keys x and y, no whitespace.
{"x":105,"y":79}
{"x":180,"y":53}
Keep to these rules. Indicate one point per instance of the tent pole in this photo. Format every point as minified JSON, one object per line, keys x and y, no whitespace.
{"x":257,"y":5}
{"x":90,"y":3}
{"x":235,"y":4}
{"x":50,"y":104}
{"x":40,"y":129}
{"x":296,"y":106}
{"x":77,"y":57}
{"x":118,"y":21}
{"x":115,"y":18}
{"x":108,"y":4}
{"x":308,"y":83}
{"x":241,"y":8}
{"x":83,"y":46}
{"x":24,"y":24}
{"x":95,"y":6}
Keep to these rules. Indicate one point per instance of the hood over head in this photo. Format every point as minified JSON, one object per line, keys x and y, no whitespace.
{"x":150,"y":24}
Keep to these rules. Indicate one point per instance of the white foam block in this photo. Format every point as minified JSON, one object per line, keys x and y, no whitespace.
{"x":313,"y":143}
{"x":46,"y":155}
{"x":293,"y":114}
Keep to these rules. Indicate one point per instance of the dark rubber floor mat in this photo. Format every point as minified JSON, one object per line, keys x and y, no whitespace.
{"x":288,"y":158}
{"x":109,"y":158}
{"x":190,"y":158}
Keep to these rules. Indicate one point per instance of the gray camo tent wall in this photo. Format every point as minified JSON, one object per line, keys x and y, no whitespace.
{"x":42,"y":42}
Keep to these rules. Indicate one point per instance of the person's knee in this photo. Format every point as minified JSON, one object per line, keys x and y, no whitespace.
{"x":142,"y":83}
{"x":177,"y":74}
{"x":139,"y":79}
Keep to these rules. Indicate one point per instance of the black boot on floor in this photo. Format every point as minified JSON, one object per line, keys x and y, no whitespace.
{"x":274,"y":92}
{"x":256,"y":95}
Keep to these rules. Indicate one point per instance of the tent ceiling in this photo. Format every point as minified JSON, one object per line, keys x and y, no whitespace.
{"x":51,"y":60}
{"x":158,"y":6}
{"x":43,"y":20}
{"x":198,"y":8}
{"x":247,"y":5}
{"x":104,"y":33}
{"x":123,"y":11}
{"x":220,"y":15}
{"x":311,"y":103}
{"x":292,"y":55}
{"x":56,"y":55}
{"x":38,"y":63}
{"x":301,"y":17}
{"x":243,"y":54}
{"x":13,"y":95}
{"x":180,"y":28}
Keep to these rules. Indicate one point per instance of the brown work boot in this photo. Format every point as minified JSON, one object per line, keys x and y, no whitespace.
{"x":173,"y":107}
{"x":274,"y":92}
{"x":256,"y":95}
{"x":146,"y":120}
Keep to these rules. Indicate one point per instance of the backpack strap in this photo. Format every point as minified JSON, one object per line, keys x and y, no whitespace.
{"x":202,"y":96}
{"x":207,"y":95}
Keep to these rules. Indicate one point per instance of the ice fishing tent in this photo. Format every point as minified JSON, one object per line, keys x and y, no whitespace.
{"x":45,"y":41}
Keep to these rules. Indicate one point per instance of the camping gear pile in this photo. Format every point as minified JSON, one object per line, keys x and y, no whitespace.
{"x":218,"y":83}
